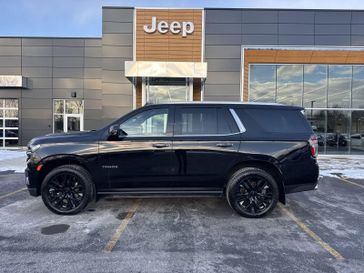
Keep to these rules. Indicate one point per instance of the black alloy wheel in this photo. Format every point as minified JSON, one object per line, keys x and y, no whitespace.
{"x":67,"y":189}
{"x":252,"y":192}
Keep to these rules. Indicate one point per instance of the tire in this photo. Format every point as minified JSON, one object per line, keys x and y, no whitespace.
{"x":67,"y":189}
{"x":252,"y":192}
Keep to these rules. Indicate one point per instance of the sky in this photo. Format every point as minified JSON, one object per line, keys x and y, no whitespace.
{"x":74,"y":18}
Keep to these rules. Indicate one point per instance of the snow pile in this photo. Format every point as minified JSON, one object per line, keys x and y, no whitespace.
{"x":12,"y":160}
{"x":344,"y":166}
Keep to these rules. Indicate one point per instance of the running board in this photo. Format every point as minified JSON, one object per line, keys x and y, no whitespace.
{"x":163,"y":193}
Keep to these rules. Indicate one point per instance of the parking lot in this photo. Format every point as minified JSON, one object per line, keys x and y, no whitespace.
{"x":317,"y":231}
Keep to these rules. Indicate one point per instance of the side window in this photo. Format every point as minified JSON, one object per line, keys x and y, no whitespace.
{"x":226,"y":122}
{"x":196,"y":121}
{"x":148,"y":123}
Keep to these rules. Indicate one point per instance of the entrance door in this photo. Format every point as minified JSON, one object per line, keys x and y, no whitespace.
{"x":67,"y":115}
{"x":165,"y":90}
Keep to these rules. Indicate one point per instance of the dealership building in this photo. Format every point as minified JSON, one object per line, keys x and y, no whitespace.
{"x":310,"y":58}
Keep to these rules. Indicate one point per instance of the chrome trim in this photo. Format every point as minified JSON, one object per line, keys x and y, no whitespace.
{"x":238,"y":121}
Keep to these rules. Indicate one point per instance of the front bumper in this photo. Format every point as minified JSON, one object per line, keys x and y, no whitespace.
{"x":30,"y":182}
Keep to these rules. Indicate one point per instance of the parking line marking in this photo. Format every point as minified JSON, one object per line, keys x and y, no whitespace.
{"x":12,"y":193}
{"x":348,"y":181}
{"x":312,"y":234}
{"x":119,"y":231}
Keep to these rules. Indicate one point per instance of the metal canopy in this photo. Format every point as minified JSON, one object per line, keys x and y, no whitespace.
{"x":165,"y":69}
{"x":13,"y":81}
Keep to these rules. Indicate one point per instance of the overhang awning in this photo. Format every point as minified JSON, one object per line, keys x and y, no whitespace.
{"x":165,"y":69}
{"x":13,"y":81}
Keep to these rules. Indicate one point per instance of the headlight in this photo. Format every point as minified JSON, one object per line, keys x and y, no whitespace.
{"x":33,"y":148}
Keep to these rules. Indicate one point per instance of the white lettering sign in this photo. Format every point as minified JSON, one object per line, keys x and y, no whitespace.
{"x":185,"y":28}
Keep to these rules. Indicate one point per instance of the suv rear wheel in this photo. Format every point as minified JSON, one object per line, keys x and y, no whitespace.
{"x":252,"y":192}
{"x":67,"y":189}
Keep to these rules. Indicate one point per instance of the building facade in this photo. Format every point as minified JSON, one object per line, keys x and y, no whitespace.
{"x":312,"y":58}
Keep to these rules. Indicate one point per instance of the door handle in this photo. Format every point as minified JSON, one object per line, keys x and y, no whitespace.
{"x":224,"y":145}
{"x":160,"y":145}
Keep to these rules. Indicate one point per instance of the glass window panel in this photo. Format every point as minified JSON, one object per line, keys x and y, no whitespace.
{"x":73,"y":124}
{"x":2,"y":133}
{"x":358,"y":87}
{"x":58,"y":106}
{"x":11,"y":113}
{"x":11,"y":133}
{"x":11,"y":142}
{"x":357,"y":132}
{"x":74,"y":107}
{"x":1,"y":113}
{"x":196,"y":121}
{"x":1,"y":103}
{"x":262,"y":83}
{"x":58,"y":123}
{"x":339,"y":86}
{"x":11,"y":123}
{"x":315,"y":86}
{"x":290,"y":84}
{"x":11,"y":103}
{"x":160,"y":90}
{"x":338,"y":129}
{"x":148,"y":123}
{"x":317,"y":119}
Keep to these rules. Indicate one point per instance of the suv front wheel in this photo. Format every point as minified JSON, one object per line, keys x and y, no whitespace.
{"x":252,"y":192}
{"x":67,"y":189}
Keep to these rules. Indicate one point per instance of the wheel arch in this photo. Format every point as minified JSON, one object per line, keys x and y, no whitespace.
{"x":267,"y":166}
{"x":51,"y":162}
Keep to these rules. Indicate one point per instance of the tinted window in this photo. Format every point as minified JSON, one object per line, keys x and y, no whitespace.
{"x":204,"y":121}
{"x":273,"y":121}
{"x":148,"y":123}
{"x":196,"y":121}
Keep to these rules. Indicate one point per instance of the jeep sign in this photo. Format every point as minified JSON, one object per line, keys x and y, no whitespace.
{"x":186,"y":28}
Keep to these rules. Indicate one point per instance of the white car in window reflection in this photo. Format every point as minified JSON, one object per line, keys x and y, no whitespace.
{"x":357,"y":141}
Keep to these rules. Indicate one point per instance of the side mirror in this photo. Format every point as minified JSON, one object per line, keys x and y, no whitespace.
{"x":115,"y":133}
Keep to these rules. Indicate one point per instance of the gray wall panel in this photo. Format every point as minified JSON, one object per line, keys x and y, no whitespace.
{"x":357,"y":29}
{"x":68,"y":51}
{"x":43,"y":72}
{"x":93,"y":42}
{"x":114,"y":63}
{"x":116,"y":100}
{"x":112,"y":27}
{"x":36,"y":61}
{"x":92,"y":84}
{"x":117,"y":39}
{"x":10,"y":70}
{"x":67,"y":72}
{"x":260,"y":29}
{"x":10,"y":41}
{"x":296,"y":29}
{"x":117,"y":88}
{"x":6,"y":61}
{"x":93,"y":51}
{"x":37,"y":51}
{"x":332,"y":29}
{"x":65,"y":93}
{"x":37,"y":93}
{"x":117,"y":14}
{"x":68,"y":61}
{"x":222,"y":52}
{"x":224,"y":65}
{"x":296,"y":17}
{"x":357,"y":40}
{"x":114,"y":77}
{"x":342,"y":40}
{"x":36,"y":42}
{"x":118,"y":51}
{"x":92,"y":73}
{"x":297,"y":40}
{"x":223,"y":78}
{"x":93,"y":62}
{"x":260,"y":16}
{"x":93,"y":94}
{"x":357,"y":17}
{"x":332,"y":17}
{"x":223,"y":29}
{"x":10,"y":50}
{"x":67,"y":83}
{"x":40,"y":82}
{"x":68,"y":42}
{"x":222,"y":39}
{"x":36,"y":103}
{"x":223,"y":16}
{"x":260,"y":39}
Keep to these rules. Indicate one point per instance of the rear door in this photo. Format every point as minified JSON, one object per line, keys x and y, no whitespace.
{"x":205,"y":142}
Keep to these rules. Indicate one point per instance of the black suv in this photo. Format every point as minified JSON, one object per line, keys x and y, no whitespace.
{"x":251,"y":153}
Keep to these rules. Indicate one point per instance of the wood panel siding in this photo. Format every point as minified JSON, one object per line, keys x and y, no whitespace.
{"x":274,"y":56}
{"x":168,"y":47}
{"x":196,"y":96}
{"x":138,"y":93}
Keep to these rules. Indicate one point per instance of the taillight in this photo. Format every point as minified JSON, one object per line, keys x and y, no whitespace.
{"x":313,"y":145}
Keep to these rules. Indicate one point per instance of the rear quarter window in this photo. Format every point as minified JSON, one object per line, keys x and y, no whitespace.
{"x":277,"y":123}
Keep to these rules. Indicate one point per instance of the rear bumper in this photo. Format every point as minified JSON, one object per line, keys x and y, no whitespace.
{"x":301,"y":187}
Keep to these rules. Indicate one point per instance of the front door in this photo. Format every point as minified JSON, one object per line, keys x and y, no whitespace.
{"x":143,"y":158}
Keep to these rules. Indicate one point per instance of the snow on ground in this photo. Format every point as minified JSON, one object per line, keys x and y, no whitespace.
{"x":344,"y":166}
{"x":12,"y":160}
